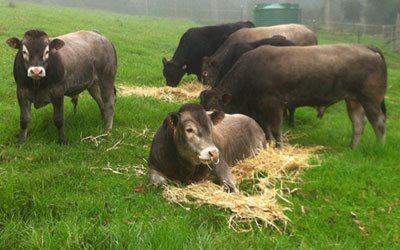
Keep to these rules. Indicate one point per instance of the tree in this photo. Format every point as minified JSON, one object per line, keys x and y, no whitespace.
{"x":351,"y":10}
{"x":11,"y":4}
{"x":382,"y":12}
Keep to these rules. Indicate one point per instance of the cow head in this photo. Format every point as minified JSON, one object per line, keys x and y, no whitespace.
{"x":192,"y":133}
{"x":173,"y":72}
{"x":209,"y":71}
{"x":35,"y":48}
{"x":215,"y":99}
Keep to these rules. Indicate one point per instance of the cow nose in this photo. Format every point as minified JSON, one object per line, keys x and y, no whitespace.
{"x":214,"y":155}
{"x":36,"y":71}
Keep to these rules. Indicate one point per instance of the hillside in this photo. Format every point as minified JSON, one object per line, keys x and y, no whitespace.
{"x":87,"y":194}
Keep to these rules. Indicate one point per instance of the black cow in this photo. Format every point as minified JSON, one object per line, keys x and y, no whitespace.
{"x":194,"y":44}
{"x":47,"y":69}
{"x":299,"y":34}
{"x":237,"y":50}
{"x":192,"y":145}
{"x":267,"y":79}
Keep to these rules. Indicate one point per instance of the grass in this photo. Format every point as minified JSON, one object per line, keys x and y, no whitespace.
{"x":54,"y":196}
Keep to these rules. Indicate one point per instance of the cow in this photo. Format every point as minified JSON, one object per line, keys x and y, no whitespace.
{"x":300,"y":35}
{"x":194,"y":44}
{"x":267,"y":79}
{"x":238,"y":49}
{"x":47,"y":69}
{"x":192,"y":145}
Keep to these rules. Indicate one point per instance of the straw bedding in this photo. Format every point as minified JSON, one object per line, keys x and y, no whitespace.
{"x":267,"y":174}
{"x":183,"y":93}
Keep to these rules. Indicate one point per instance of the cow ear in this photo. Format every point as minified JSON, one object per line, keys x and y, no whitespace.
{"x":164,"y":61}
{"x":56,"y":44}
{"x":173,"y":119}
{"x":14,"y":43}
{"x":226,"y":98}
{"x":184,"y":67}
{"x":206,"y":60}
{"x":217,"y":117}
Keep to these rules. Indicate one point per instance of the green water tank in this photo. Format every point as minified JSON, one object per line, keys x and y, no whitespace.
{"x":276,"y":13}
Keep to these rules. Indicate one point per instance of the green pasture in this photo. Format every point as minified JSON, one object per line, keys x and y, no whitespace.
{"x":67,"y":197}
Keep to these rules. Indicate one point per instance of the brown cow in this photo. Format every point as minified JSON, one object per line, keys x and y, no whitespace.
{"x":47,"y":69}
{"x":299,"y":34}
{"x":192,"y":145}
{"x":265,"y":80}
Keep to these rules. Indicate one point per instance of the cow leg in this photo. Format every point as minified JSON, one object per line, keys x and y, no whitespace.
{"x":58,"y":117}
{"x":357,"y":117}
{"x":25,"y":118}
{"x":98,"y":96}
{"x":224,"y":176}
{"x":274,"y":116}
{"x":267,"y":130}
{"x":291,"y":116}
{"x":94,"y":91}
{"x":74,"y":101}
{"x":108,"y":91}
{"x":321,"y":111}
{"x":276,"y":130}
{"x":156,"y":178}
{"x":377,"y":119}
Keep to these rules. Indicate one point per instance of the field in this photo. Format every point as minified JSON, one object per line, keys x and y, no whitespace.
{"x":54,"y":196}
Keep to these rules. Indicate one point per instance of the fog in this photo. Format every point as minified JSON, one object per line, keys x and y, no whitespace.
{"x":374,"y":12}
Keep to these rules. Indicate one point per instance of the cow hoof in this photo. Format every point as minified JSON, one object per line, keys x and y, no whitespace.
{"x":230,"y":188}
{"x":63,"y":141}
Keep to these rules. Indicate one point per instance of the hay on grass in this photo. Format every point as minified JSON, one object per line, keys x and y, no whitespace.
{"x":182,"y":93}
{"x":268,"y":171}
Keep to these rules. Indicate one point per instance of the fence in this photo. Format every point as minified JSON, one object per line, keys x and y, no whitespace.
{"x":219,"y":11}
{"x":390,"y":34}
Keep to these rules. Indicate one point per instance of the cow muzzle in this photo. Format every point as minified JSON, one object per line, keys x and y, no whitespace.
{"x":36,"y":72}
{"x":209,"y":155}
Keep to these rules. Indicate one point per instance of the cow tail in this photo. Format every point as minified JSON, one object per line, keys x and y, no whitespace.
{"x":377,"y":50}
{"x":383,"y":107}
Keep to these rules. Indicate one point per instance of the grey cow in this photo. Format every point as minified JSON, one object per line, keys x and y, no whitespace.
{"x":47,"y":69}
{"x":192,"y":145}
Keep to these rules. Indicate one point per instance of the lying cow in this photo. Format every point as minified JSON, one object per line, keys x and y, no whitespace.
{"x":300,"y":35}
{"x":265,"y":80}
{"x":47,"y":69}
{"x":192,"y":145}
{"x":194,"y":44}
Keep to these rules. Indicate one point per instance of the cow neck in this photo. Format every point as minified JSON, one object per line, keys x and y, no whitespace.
{"x":36,"y":84}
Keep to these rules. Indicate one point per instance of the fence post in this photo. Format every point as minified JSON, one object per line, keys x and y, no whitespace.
{"x":147,"y":7}
{"x":396,"y":39}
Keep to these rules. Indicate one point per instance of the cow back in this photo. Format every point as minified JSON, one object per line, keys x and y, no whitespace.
{"x":86,"y":55}
{"x":300,"y":35}
{"x":238,"y":137}
{"x":305,"y":76}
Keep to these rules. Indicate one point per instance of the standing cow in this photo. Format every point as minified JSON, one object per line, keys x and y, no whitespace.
{"x":300,"y":35}
{"x":267,"y":79}
{"x":47,"y":69}
{"x":196,"y":43}
{"x":192,"y":145}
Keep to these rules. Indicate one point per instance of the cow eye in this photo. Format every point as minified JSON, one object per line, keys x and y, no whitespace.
{"x":205,"y":73}
{"x":189,"y":130}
